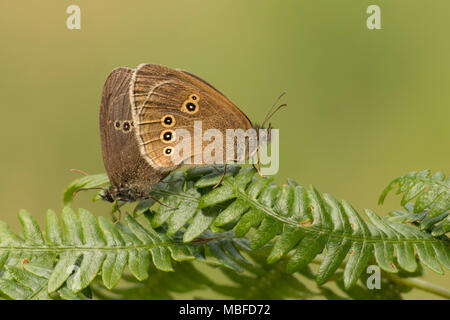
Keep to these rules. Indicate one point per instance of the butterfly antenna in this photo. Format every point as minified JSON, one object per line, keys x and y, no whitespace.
{"x":85,"y":189}
{"x":79,"y":171}
{"x":274,"y":110}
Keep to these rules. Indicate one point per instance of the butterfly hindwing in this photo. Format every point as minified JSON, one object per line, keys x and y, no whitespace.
{"x":165,"y":99}
{"x":125,"y":166}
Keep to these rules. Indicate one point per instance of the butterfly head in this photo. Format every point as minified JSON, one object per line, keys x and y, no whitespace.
{"x":107,"y":195}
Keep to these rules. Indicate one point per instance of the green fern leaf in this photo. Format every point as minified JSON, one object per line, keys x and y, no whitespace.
{"x":86,"y":182}
{"x":301,"y":221}
{"x":64,"y":264}
{"x":431,"y":191}
{"x":259,"y":280}
{"x":336,"y":227}
{"x":437,"y":226}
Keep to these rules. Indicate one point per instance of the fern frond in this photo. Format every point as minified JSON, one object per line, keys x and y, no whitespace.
{"x":297,"y":225}
{"x":308,"y":222}
{"x":437,"y":226}
{"x":65,"y":263}
{"x":293,"y":219}
{"x":259,"y":280}
{"x":91,"y":181}
{"x":430,"y":191}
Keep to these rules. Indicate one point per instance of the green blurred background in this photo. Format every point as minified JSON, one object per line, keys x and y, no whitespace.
{"x":365,"y":106}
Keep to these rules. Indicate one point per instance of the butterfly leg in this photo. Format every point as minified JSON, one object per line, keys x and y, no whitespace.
{"x":223,"y":176}
{"x":156,"y":200}
{"x":171,"y":181}
{"x":116,"y":204}
{"x":258,"y":167}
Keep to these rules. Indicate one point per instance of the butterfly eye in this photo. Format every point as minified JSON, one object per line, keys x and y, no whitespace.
{"x":168,"y":121}
{"x":167,"y":151}
{"x":117,"y":125}
{"x":167,"y":136}
{"x":126,"y":126}
{"x":190,"y":106}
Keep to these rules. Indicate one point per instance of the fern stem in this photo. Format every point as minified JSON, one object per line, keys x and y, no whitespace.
{"x":420,"y":284}
{"x":409,"y":282}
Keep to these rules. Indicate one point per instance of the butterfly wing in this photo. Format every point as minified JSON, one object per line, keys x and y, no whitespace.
{"x":124,"y":164}
{"x":164,"y":100}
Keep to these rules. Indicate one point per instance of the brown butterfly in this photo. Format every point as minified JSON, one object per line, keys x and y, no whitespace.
{"x":140,"y":112}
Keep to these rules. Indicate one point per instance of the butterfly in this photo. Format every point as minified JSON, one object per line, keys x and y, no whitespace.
{"x":141,"y":112}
